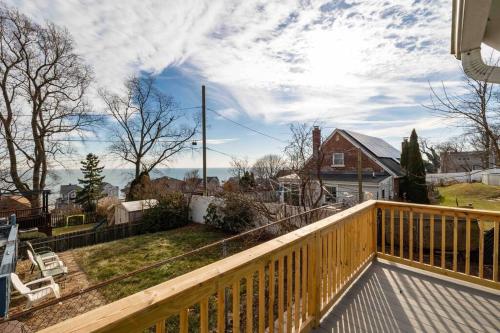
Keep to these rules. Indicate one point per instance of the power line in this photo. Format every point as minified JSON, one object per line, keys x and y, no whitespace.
{"x":221,"y":152}
{"x":246,"y":127}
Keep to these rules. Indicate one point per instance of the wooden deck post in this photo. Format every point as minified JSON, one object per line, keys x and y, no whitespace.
{"x":316,"y":280}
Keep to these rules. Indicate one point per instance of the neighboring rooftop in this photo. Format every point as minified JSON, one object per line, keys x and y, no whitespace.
{"x":65,"y":189}
{"x":353,"y":178}
{"x":378,"y":146}
{"x":134,"y":206}
{"x":8,"y":202}
{"x":381,"y":150}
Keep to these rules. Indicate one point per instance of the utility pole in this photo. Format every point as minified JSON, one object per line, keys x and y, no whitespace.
{"x":204,"y":130}
{"x":360,"y":178}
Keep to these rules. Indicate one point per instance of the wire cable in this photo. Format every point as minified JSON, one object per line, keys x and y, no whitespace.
{"x":246,"y":127}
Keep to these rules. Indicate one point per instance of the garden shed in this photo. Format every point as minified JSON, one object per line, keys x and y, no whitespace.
{"x":132,"y":211}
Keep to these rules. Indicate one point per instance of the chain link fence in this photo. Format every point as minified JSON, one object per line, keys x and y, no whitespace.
{"x":79,"y":296}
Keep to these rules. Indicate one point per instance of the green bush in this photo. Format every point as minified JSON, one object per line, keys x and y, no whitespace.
{"x":172,"y":211}
{"x":235,"y":215}
{"x":213,"y":217}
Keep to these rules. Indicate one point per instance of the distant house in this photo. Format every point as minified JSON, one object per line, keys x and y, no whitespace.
{"x":109,"y":190}
{"x":13,"y":202}
{"x":213,"y":184}
{"x":132,"y":211}
{"x":67,"y":196}
{"x":380,"y":167}
{"x":463,"y":161}
{"x":162,"y":184}
{"x":168,"y":184}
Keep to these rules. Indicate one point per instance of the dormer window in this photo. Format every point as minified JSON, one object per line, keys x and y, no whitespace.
{"x":338,"y":159}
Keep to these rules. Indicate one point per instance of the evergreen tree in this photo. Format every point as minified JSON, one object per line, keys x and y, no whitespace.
{"x":412,"y":162}
{"x":247,"y":180}
{"x":91,"y":182}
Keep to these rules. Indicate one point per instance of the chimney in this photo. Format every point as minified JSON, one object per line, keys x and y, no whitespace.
{"x":405,"y":142}
{"x":316,"y":137}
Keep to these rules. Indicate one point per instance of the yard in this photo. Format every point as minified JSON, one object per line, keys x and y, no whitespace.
{"x":93,"y":264}
{"x":104,"y":261}
{"x":72,"y":228}
{"x":481,"y":196}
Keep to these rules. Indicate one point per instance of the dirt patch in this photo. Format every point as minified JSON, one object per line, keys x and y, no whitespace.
{"x":74,"y":281}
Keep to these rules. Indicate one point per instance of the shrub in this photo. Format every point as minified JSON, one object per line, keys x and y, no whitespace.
{"x":171,"y":212}
{"x":105,"y":209}
{"x":234,"y":216}
{"x":213,"y":217}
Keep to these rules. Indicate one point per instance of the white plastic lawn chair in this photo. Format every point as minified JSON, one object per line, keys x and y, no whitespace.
{"x":34,"y":295}
{"x":45,"y":254}
{"x":50,"y":268}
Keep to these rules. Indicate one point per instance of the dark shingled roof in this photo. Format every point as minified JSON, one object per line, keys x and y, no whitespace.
{"x":352,"y":178}
{"x":65,"y":189}
{"x":379,"y":149}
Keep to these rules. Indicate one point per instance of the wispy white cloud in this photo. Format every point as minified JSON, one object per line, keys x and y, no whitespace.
{"x":221,"y":141}
{"x":281,"y":61}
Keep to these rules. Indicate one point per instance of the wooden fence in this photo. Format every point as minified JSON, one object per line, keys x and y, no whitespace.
{"x":86,"y":237}
{"x":30,"y":218}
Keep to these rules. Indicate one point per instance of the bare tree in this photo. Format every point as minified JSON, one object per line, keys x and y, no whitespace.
{"x":239,"y":166}
{"x":477,"y":111}
{"x":432,"y":159}
{"x":43,"y":84}
{"x":148,"y":130}
{"x":268,"y":166}
{"x":306,"y":163}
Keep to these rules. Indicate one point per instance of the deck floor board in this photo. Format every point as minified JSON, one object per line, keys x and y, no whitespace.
{"x":387,"y":298}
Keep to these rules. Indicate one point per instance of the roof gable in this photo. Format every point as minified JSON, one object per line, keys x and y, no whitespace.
{"x":374,"y":148}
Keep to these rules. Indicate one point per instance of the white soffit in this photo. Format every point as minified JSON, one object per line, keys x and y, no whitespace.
{"x":475,"y":22}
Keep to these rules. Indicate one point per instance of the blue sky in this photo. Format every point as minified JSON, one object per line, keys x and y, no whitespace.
{"x":359,"y":65}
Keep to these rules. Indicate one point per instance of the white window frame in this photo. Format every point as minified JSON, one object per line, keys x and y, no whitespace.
{"x":338,"y":164}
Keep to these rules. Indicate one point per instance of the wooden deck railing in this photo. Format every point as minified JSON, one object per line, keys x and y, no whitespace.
{"x":290,"y":282}
{"x":444,"y":240}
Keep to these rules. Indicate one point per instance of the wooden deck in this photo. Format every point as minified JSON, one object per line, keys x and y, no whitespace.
{"x":387,"y":298}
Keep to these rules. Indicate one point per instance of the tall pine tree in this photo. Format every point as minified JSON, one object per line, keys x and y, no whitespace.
{"x":91,"y":183}
{"x":413,"y":164}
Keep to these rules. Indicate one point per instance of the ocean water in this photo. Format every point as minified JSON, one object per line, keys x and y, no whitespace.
{"x":121,"y":177}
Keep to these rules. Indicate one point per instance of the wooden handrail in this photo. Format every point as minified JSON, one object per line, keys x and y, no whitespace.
{"x":154,"y":305}
{"x":436,"y":209}
{"x":433,"y":232}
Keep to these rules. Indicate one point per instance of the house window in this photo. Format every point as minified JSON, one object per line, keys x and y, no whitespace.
{"x":338,"y":159}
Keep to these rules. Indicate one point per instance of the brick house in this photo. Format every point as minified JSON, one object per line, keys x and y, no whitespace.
{"x":381,"y":169}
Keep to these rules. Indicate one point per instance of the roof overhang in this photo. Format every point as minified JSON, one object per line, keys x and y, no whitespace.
{"x":475,"y":22}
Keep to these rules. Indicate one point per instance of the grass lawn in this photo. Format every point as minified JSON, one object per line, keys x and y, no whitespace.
{"x":72,"y":228}
{"x":481,"y":196}
{"x":104,"y":261}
